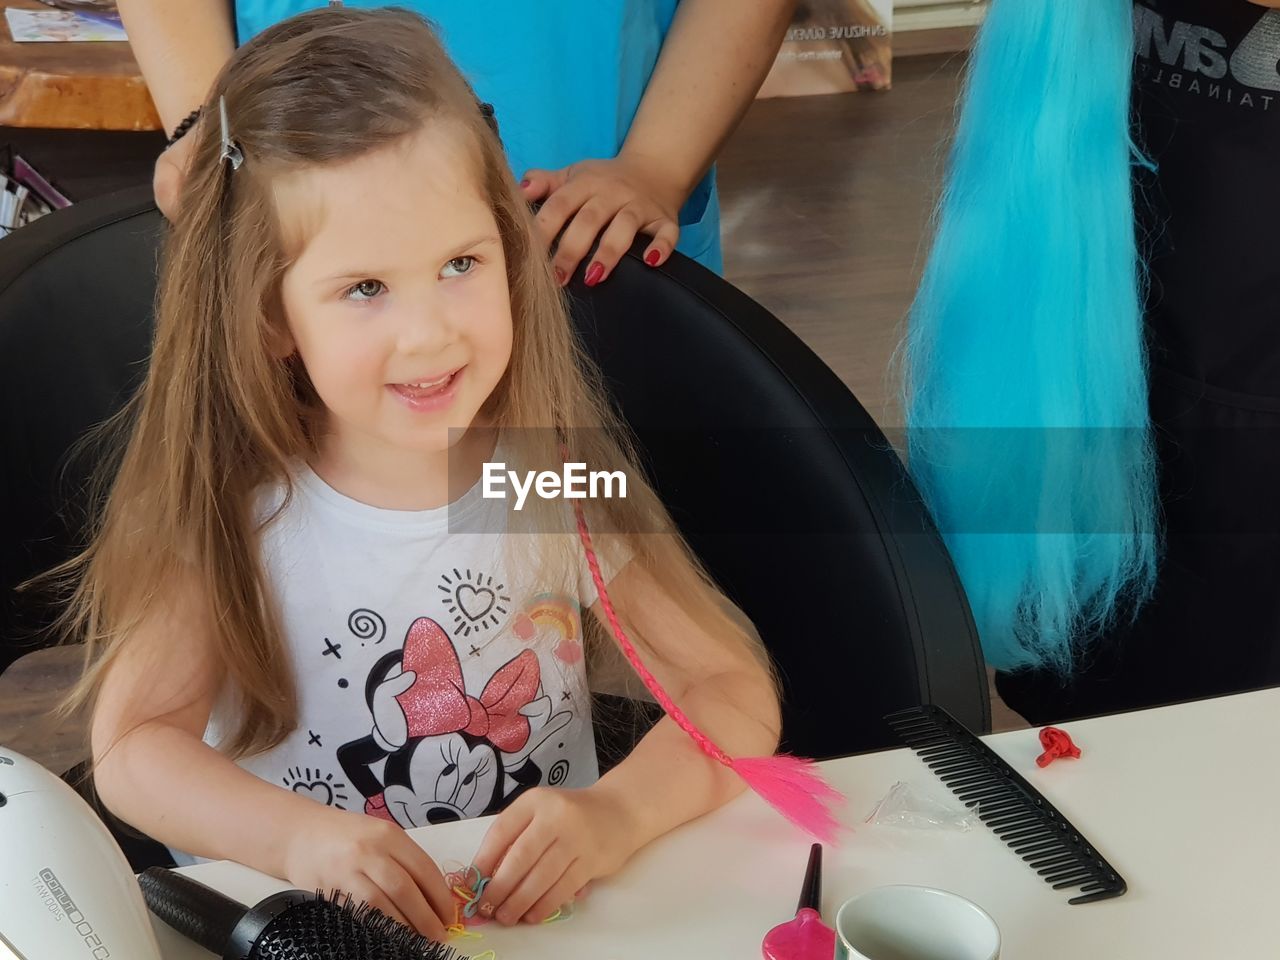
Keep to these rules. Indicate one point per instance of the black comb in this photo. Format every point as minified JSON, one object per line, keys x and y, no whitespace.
{"x":285,"y":926}
{"x":1015,"y":810}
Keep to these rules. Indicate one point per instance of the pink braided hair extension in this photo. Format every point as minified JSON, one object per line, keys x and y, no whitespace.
{"x":791,"y":785}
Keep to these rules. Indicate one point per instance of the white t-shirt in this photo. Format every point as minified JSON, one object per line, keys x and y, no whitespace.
{"x":433,"y":683}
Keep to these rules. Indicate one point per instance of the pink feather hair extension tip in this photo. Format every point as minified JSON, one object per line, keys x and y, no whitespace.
{"x":796,"y":789}
{"x":791,"y":785}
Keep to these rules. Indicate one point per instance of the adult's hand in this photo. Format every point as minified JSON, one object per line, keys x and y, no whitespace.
{"x":171,"y":170}
{"x":622,"y":197}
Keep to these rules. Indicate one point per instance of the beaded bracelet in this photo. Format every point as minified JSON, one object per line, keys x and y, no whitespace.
{"x":181,"y":130}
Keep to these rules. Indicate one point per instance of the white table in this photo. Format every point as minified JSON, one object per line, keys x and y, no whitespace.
{"x":1183,"y":801}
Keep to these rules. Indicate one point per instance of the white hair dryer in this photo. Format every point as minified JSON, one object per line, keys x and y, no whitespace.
{"x":66,"y":890}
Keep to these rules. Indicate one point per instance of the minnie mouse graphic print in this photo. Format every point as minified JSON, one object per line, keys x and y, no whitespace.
{"x":434,"y":684}
{"x":450,"y":755}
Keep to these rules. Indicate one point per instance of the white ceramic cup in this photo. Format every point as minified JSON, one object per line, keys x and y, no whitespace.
{"x":914,"y":923}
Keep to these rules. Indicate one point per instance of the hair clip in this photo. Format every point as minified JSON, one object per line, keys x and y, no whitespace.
{"x":486,"y":111}
{"x":230,"y":150}
{"x":335,"y":3}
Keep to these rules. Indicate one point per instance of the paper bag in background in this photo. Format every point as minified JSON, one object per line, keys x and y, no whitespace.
{"x":834,"y":46}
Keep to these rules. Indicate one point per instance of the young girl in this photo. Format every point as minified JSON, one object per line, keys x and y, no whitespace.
{"x":308,"y":626}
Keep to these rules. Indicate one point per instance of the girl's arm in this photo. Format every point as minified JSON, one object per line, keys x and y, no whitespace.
{"x":180,"y":46}
{"x":713,"y":61}
{"x":718,"y":683}
{"x":550,"y":843}
{"x":152,"y":769}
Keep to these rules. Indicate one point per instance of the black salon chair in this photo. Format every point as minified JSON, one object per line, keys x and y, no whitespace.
{"x":776,"y":474}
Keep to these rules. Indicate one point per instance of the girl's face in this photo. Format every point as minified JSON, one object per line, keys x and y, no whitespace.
{"x":398,"y":303}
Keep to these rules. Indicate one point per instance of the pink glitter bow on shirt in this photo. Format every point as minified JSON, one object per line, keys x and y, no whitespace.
{"x":438,"y":701}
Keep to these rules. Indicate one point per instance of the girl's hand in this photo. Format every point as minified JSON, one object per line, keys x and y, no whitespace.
{"x":622,"y":197}
{"x":547,"y":846}
{"x":374,"y":861}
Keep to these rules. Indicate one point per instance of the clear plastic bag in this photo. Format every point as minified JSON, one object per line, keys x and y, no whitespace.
{"x":908,"y":807}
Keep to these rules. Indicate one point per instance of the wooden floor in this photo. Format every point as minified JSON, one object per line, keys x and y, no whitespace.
{"x":29,"y":690}
{"x":825,"y":201}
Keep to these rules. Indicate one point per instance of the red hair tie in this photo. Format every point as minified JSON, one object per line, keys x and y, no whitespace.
{"x":1057,"y":743}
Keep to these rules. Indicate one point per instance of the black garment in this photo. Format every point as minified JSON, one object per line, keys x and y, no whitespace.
{"x":1207,"y":111}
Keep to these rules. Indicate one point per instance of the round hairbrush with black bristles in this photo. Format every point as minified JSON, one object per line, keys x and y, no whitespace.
{"x":285,"y":926}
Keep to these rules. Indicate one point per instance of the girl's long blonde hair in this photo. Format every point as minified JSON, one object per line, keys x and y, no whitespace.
{"x":219,"y":415}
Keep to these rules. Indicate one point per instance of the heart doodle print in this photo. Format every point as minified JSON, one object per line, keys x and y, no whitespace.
{"x":475,"y":601}
{"x":321,"y":787}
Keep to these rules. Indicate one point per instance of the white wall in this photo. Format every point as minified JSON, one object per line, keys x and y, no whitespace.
{"x":936,"y":14}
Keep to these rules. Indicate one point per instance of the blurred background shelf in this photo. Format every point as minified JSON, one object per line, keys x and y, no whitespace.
{"x":71,"y":86}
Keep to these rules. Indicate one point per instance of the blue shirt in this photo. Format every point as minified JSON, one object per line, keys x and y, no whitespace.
{"x":565,"y":79}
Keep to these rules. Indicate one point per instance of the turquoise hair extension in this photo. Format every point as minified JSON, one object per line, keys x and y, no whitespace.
{"x":1024,"y":365}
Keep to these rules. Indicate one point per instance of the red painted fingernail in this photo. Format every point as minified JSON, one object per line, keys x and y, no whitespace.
{"x":560,"y":277}
{"x":595,"y":273}
{"x":652,"y":258}
{"x":525,"y":182}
